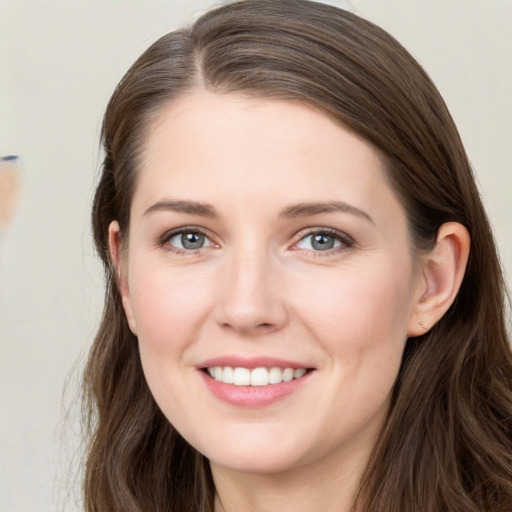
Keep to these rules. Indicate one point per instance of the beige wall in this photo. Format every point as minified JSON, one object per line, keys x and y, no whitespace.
{"x":59,"y":61}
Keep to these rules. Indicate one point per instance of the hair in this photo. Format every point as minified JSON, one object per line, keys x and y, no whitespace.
{"x":447,"y":442}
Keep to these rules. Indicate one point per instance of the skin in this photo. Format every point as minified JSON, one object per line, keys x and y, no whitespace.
{"x":258,"y":287}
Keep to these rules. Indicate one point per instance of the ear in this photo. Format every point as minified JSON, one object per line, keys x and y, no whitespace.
{"x":442,"y":273}
{"x":120,"y":265}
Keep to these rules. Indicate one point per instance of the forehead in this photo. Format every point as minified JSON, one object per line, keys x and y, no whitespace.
{"x":229,"y":146}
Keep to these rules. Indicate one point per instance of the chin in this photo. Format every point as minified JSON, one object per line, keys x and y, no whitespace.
{"x":262,"y":457}
{"x":260,"y":464}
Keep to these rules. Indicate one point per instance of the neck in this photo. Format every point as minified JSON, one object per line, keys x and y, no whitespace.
{"x":331,"y":488}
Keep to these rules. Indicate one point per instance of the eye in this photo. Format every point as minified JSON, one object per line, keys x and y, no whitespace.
{"x":324,"y":240}
{"x":188,"y":240}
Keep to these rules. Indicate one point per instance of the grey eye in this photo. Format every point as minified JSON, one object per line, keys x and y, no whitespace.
{"x":192,"y":240}
{"x":319,"y":242}
{"x":322,"y":242}
{"x":189,"y":240}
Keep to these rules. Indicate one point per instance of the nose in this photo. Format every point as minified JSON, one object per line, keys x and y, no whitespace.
{"x":251,"y":301}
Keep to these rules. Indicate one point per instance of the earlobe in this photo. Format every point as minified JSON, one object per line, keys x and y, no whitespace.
{"x":442,"y":272}
{"x":116,"y":255}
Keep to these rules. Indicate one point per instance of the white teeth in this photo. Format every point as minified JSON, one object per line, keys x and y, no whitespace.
{"x":297,"y":374}
{"x":255,"y":377}
{"x":242,"y":377}
{"x":228,"y":375}
{"x":288,"y":374}
{"x":275,"y":376}
{"x":259,"y":377}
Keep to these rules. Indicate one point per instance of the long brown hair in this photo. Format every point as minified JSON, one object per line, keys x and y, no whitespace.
{"x":447,"y":443}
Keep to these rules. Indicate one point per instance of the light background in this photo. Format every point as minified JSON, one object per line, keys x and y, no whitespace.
{"x":59,"y":62}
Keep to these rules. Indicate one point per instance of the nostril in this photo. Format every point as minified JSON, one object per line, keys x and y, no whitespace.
{"x":263,"y":327}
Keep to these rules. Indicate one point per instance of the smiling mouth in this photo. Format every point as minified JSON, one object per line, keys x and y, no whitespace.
{"x":262,"y":376}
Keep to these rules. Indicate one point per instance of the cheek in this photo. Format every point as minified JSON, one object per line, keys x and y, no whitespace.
{"x":362,"y":325}
{"x":169,"y":306}
{"x":360,"y":318}
{"x":354,"y":303}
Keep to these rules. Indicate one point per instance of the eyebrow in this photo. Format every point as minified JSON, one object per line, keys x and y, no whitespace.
{"x":290,"y":212}
{"x":309,"y":209}
{"x":189,"y":207}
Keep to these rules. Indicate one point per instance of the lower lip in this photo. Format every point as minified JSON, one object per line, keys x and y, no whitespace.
{"x":253,"y":396}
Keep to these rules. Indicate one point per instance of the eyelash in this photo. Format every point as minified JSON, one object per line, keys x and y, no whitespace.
{"x":346,"y":242}
{"x":163,"y":241}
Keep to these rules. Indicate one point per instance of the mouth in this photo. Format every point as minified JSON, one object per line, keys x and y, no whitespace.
{"x":254,"y":382}
{"x":255,"y":377}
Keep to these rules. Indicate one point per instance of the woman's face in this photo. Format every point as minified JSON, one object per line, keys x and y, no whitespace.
{"x":266,"y":245}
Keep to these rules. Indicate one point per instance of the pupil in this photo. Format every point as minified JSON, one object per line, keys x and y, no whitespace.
{"x":323,"y":242}
{"x":192,"y":240}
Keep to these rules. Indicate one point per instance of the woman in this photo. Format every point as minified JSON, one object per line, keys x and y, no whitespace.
{"x":304,"y":303}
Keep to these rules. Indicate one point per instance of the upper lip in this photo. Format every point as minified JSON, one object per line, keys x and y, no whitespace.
{"x":251,"y":362}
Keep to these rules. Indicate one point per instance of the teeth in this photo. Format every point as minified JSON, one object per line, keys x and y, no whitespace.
{"x":275,"y":376}
{"x":241,"y":377}
{"x":297,"y":374}
{"x":228,"y":375}
{"x":254,"y":377}
{"x":288,"y":375}
{"x":259,"y":377}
